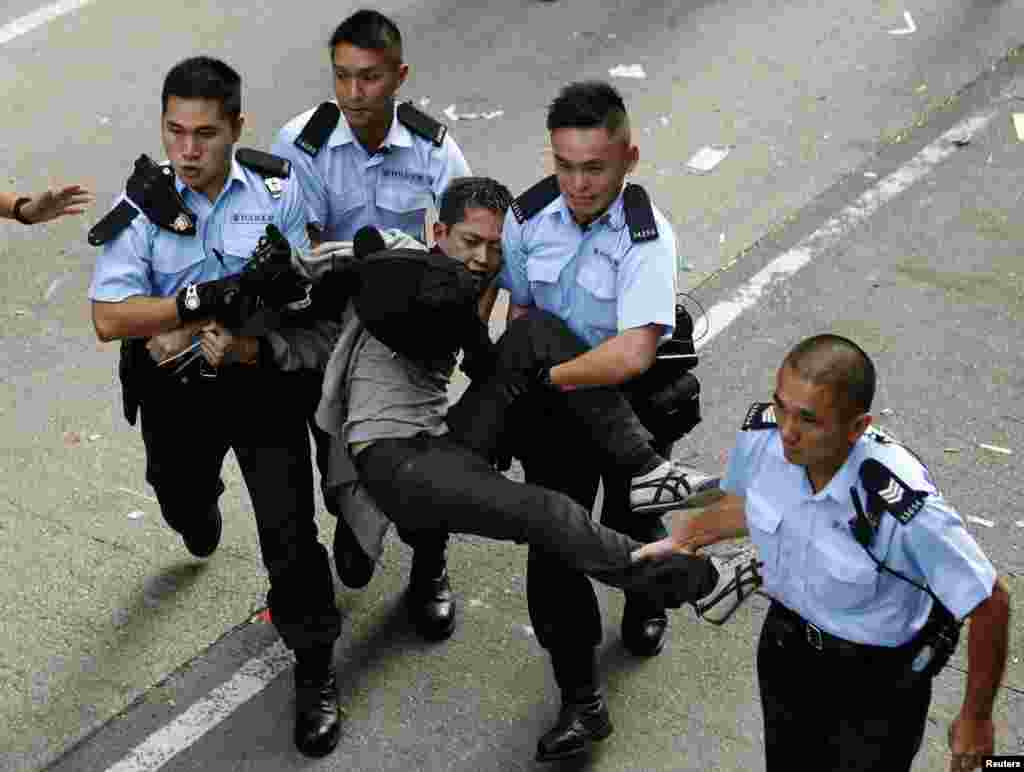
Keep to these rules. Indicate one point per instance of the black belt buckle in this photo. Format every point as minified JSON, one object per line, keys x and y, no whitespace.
{"x":814,"y":637}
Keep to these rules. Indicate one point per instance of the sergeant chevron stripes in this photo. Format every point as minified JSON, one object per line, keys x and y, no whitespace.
{"x":892,"y":493}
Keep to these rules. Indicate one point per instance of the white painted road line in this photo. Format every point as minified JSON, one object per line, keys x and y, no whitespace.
{"x":251,"y":679}
{"x":38,"y":18}
{"x":724,"y":313}
{"x":257,"y":673}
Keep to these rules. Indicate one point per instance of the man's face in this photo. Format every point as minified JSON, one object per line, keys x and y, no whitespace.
{"x":591,"y":166}
{"x":198,"y":138}
{"x":475,"y":241}
{"x":365,"y":83}
{"x":816,"y":431}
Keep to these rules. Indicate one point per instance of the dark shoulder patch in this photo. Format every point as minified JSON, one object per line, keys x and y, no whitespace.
{"x":535,"y":198}
{"x":760,"y":416}
{"x":887,"y":491}
{"x":418,"y":122}
{"x":264,"y":164}
{"x":113,"y":222}
{"x":639,"y":214}
{"x":318,"y":128}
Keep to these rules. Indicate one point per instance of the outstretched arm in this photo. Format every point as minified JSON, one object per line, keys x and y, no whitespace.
{"x":48,"y":205}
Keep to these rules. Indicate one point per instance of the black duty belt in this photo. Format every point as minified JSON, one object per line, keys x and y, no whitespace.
{"x":788,"y":627}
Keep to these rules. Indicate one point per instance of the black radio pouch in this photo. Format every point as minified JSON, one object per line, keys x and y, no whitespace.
{"x":666,"y":397}
{"x":936,"y":642}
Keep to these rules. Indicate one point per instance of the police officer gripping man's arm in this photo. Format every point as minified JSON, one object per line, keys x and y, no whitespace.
{"x":172,"y":249}
{"x":869,"y":569}
{"x":594,"y":252}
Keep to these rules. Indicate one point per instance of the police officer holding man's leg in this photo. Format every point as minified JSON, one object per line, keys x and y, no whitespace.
{"x":362,"y":159}
{"x":870,"y":572}
{"x":172,"y":249}
{"x":593,"y":251}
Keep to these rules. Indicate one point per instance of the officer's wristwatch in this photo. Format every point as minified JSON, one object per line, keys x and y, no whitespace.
{"x":191,"y":297}
{"x":544,"y":379}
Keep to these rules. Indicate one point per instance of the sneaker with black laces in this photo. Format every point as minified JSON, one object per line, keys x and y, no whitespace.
{"x":671,"y":486}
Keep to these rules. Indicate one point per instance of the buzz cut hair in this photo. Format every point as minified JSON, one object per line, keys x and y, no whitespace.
{"x":465,"y":192}
{"x":370,"y":30}
{"x":839,"y":363}
{"x":203,"y":77}
{"x":591,"y":104}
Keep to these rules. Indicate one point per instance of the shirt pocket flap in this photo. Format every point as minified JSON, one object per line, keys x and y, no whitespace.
{"x":598,"y":277}
{"x":403,"y":199}
{"x":545,"y":271}
{"x":761,"y":514}
{"x":242,"y":242}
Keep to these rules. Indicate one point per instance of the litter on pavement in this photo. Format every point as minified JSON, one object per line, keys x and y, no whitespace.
{"x":981,"y":521}
{"x":995,"y":449}
{"x":707,"y":158}
{"x":909,"y":29}
{"x":628,"y":71}
{"x":1018,"y":124}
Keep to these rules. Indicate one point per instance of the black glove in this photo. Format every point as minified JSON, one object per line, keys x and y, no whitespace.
{"x":219,"y":299}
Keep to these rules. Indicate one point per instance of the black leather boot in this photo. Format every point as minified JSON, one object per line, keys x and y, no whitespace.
{"x":317,"y":716}
{"x":429,"y":597}
{"x":643,"y":629}
{"x":582,"y":721}
{"x":354,"y":566}
{"x":202,"y":535}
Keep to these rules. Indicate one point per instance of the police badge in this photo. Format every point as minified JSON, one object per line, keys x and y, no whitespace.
{"x":274,"y":186}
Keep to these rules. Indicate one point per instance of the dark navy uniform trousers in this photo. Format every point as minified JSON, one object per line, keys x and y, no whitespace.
{"x":261,"y":414}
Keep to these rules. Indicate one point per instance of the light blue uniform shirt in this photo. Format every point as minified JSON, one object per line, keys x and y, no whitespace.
{"x":145,"y":259}
{"x":346,"y":187}
{"x":596,"y":279}
{"x":813,"y":565}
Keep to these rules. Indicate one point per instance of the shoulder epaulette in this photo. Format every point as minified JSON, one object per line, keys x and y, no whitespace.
{"x":886,"y":490}
{"x":272,"y":168}
{"x":639,"y":214}
{"x":264,"y":164}
{"x":113,"y":222}
{"x":535,"y":198}
{"x":418,"y":122}
{"x":151,"y":189}
{"x":318,"y":128}
{"x":760,"y":416}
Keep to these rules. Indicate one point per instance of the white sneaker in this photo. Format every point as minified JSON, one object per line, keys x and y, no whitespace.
{"x":738,"y":578}
{"x":671,"y":486}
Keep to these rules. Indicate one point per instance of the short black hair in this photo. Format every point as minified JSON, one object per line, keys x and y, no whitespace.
{"x":591,"y":104}
{"x":837,"y":362}
{"x":203,"y":77}
{"x":371,"y":30}
{"x":465,"y":192}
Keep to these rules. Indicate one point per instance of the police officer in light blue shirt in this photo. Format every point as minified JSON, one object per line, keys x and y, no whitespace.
{"x":869,"y":569}
{"x":584,"y":246}
{"x":363,"y":160}
{"x":170,"y":247}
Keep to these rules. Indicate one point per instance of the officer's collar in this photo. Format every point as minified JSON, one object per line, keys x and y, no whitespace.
{"x":614,"y":218}
{"x":838,"y":488}
{"x":397,"y":136}
{"x":237,"y":173}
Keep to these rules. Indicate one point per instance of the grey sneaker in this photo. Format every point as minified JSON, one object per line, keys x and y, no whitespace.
{"x":672,"y":486}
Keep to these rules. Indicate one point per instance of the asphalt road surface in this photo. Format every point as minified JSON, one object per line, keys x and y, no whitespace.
{"x":872,"y":189}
